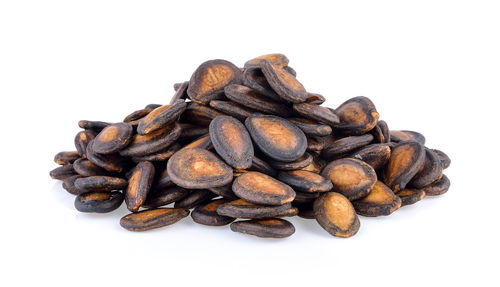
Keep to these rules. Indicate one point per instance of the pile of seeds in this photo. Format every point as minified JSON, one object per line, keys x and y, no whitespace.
{"x":252,"y":145}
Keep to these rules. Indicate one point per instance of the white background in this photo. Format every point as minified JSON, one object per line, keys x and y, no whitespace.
{"x":430,"y":66}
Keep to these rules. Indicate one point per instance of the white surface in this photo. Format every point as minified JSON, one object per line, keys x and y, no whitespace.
{"x":430,"y":66}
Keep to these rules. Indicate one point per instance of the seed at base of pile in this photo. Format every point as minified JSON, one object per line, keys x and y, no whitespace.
{"x":164,"y":197}
{"x":380,"y":202}
{"x":139,"y":185}
{"x":276,"y":137}
{"x":443,"y":158}
{"x":63,"y":172}
{"x":243,"y":209}
{"x":317,"y":113}
{"x":232,"y":141}
{"x":161,"y":117}
{"x":197,"y":168}
{"x":357,"y":116}
{"x":253,"y":100}
{"x":95,"y":126}
{"x":376,"y":155}
{"x":315,"y":99}
{"x":152,"y":218}
{"x":113,"y":138}
{"x":311,"y":128}
{"x":430,"y":171}
{"x":260,"y":188}
{"x":100,"y":183}
{"x":277,"y":59}
{"x":267,"y":228}
{"x":283,"y":83}
{"x":86,"y":168}
{"x":305,"y":181}
{"x":207,"y":214}
{"x":301,"y":162}
{"x":407,"y":136}
{"x":437,"y":188}
{"x":195,"y":198}
{"x":345,"y":145}
{"x":66,"y":157}
{"x":82,"y":139}
{"x":156,"y":141}
{"x":98,"y":202}
{"x":69,"y":184}
{"x":208,"y":81}
{"x":410,"y":196}
{"x":405,"y":161}
{"x":233,"y":109}
{"x":335,"y":213}
{"x":350,"y":177}
{"x":306,"y":212}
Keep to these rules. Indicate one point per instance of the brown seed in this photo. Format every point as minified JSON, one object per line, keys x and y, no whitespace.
{"x":260,"y":188}
{"x":315,"y":144}
{"x":195,"y":198}
{"x":437,"y":188}
{"x":316,"y":165}
{"x":302,"y":162}
{"x":317,"y":113}
{"x":66,"y":157}
{"x":253,"y":100}
{"x":345,"y":145}
{"x":86,"y":168}
{"x":244,"y":209}
{"x":198,"y":114}
{"x":164,"y":196}
{"x":95,"y":126}
{"x":69,"y":184}
{"x":139,"y":185}
{"x":152,"y":218}
{"x":255,"y":79}
{"x":190,"y":132}
{"x":197,"y":168}
{"x":284,"y":83}
{"x":203,"y":142}
{"x":232,"y":141}
{"x":163,"y":179}
{"x":311,"y":128}
{"x":277,"y":59}
{"x":100,"y":183}
{"x":136,"y":115}
{"x":110,"y":162}
{"x":225,"y":191}
{"x":98,"y":202}
{"x":406,"y":136}
{"x":180,"y":93}
{"x":262,"y":166}
{"x":405,"y":161}
{"x":113,"y":138}
{"x":161,"y":117}
{"x":429,"y":172}
{"x":82,"y":140}
{"x":357,"y":116}
{"x":152,"y":106}
{"x":381,"y":132}
{"x":335,"y":213}
{"x":443,"y":158}
{"x":380,"y":202}
{"x":142,"y":145}
{"x":207,"y":214}
{"x":376,"y":155}
{"x":208,"y":81}
{"x":62,"y":172}
{"x":410,"y":196}
{"x":159,"y":156}
{"x":305,"y":181}
{"x":315,"y":99}
{"x":276,"y":137}
{"x":266,"y":228}
{"x":233,"y":109}
{"x":350,"y":177}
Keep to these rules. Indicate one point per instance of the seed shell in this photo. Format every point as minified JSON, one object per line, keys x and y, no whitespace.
{"x":161,"y":117}
{"x":335,"y":213}
{"x":406,"y":136}
{"x":98,"y":202}
{"x":260,"y":188}
{"x":86,"y":168}
{"x":233,"y":109}
{"x":100,"y":183}
{"x":164,"y":196}
{"x":195,"y":198}
{"x":284,"y":83}
{"x":380,"y":202}
{"x":306,"y":181}
{"x":266,"y":228}
{"x":156,"y":141}
{"x":82,"y":140}
{"x":253,"y":100}
{"x":317,"y":113}
{"x":310,"y":127}
{"x":207,"y":214}
{"x":405,"y":161}
{"x":443,"y":158}
{"x":152,"y":218}
{"x":437,"y":188}
{"x":244,"y":209}
{"x":410,"y":196}
{"x":345,"y":145}
{"x":139,"y":185}
{"x":66,"y":157}
{"x":113,"y":138}
{"x":376,"y":155}
{"x":302,"y":162}
{"x":357,"y":116}
{"x":429,"y":172}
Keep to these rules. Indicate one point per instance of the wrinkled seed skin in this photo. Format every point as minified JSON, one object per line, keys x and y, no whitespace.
{"x":98,"y":202}
{"x":207,"y":214}
{"x":335,"y":213}
{"x":405,"y":161}
{"x":266,"y":228}
{"x":139,"y":185}
{"x":152,"y":218}
{"x":260,"y":188}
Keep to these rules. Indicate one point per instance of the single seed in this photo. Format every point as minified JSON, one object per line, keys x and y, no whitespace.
{"x":152,"y":218}
{"x":267,"y":228}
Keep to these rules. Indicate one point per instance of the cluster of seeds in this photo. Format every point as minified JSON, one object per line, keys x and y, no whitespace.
{"x":250,"y":144}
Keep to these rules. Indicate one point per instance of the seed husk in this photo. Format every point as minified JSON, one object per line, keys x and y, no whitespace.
{"x":317,"y":113}
{"x":376,"y":155}
{"x":113,"y":138}
{"x":380,"y":202}
{"x":161,"y":117}
{"x":443,"y":158}
{"x":139,"y":185}
{"x":277,"y":59}
{"x":437,"y":188}
{"x":164,"y":196}
{"x":180,"y":93}
{"x":284,"y":83}
{"x":345,"y":145}
{"x":357,"y":116}
{"x":208,"y":81}
{"x":195,"y":198}
{"x":98,"y":202}
{"x":225,"y":191}
{"x":429,"y":172}
{"x":100,"y":184}
{"x":335,"y":213}
{"x":62,"y":172}
{"x":243,"y":209}
{"x":66,"y":157}
{"x":95,"y":126}
{"x":110,"y":162}
{"x":260,"y":188}
{"x":152,"y":218}
{"x":69,"y":184}
{"x":410,"y":196}
{"x":406,"y":136}
{"x":207,"y":214}
{"x":276,"y":137}
{"x":199,"y":115}
{"x":266,"y":228}
{"x":156,"y":141}
{"x":306,"y":181}
{"x":233,"y":109}
{"x":197,"y":168}
{"x":255,"y":79}
{"x":381,"y":133}
{"x":405,"y":161}
{"x":351,"y":177}
{"x":82,"y":140}
{"x":253,"y":100}
{"x":159,"y":156}
{"x":232,"y":141}
{"x":86,"y":168}
{"x":310,"y":127}
{"x":136,"y":115}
